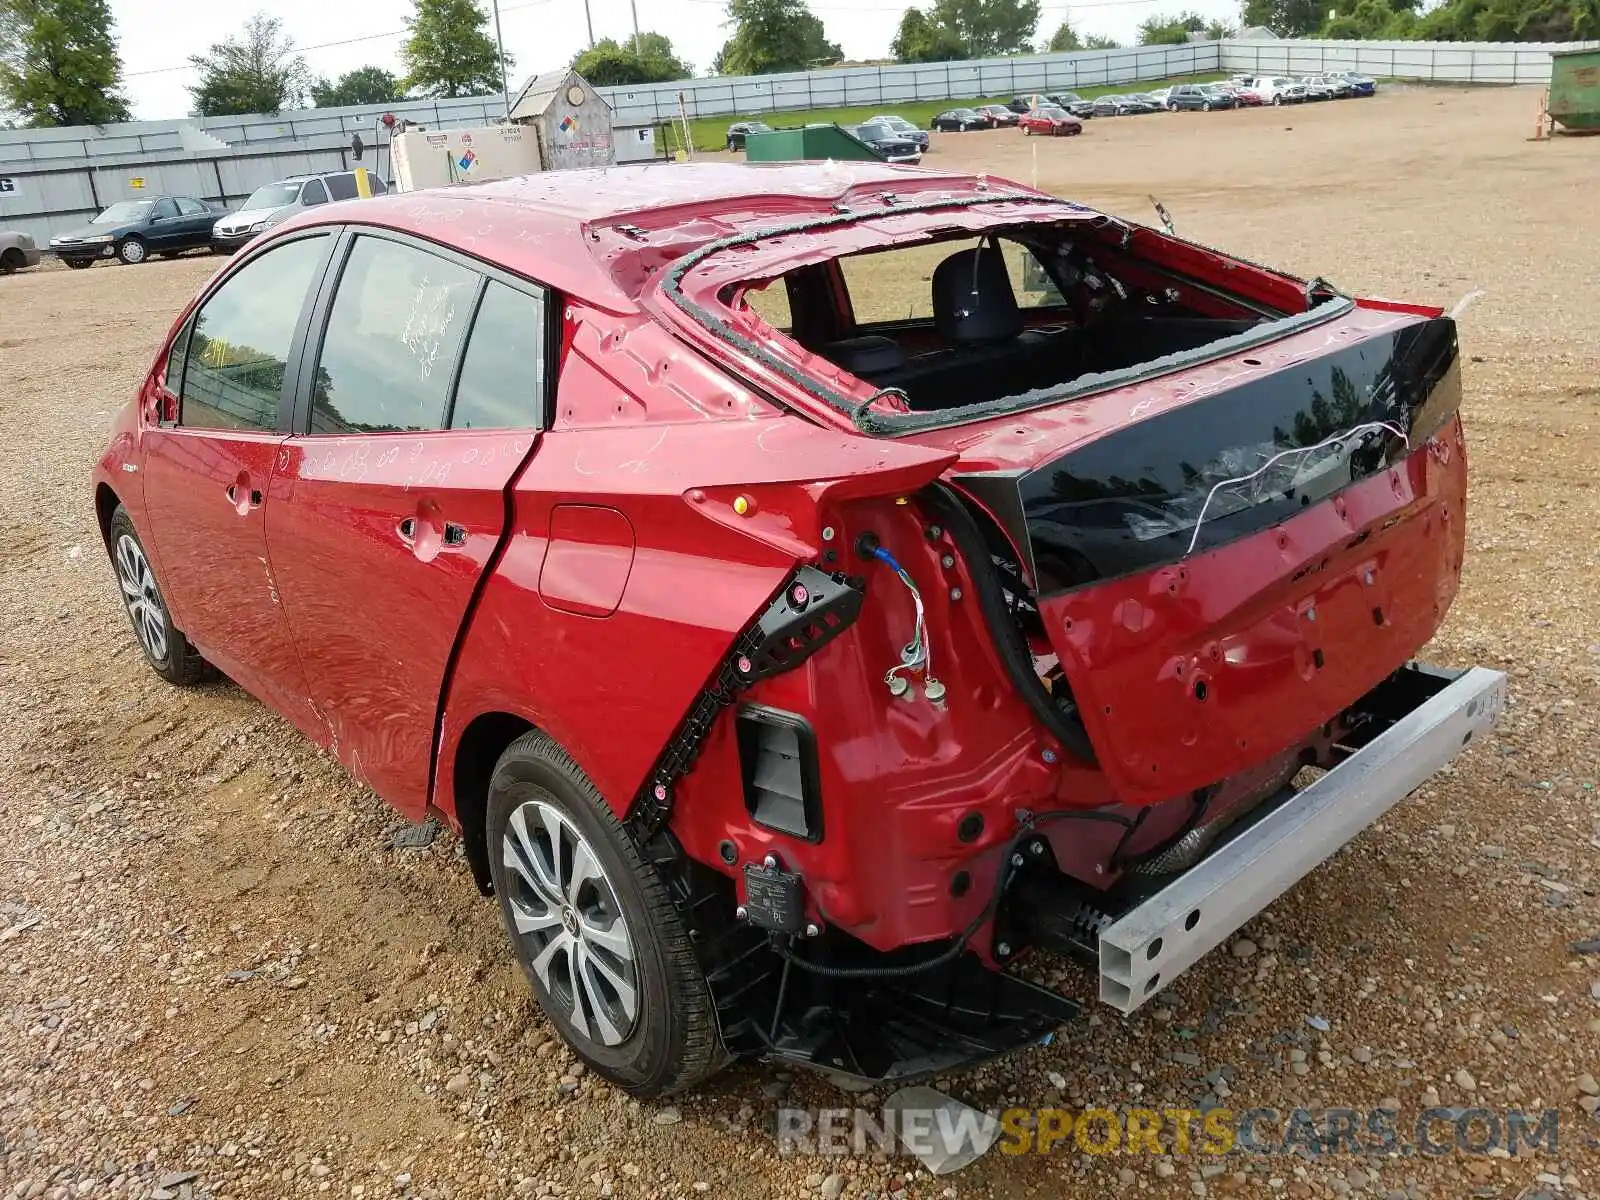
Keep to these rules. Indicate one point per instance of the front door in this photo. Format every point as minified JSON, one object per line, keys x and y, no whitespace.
{"x":193,"y":227}
{"x":208,"y":473}
{"x":396,"y":492}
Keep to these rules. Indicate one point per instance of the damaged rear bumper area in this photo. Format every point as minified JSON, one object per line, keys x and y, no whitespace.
{"x":1434,"y":715}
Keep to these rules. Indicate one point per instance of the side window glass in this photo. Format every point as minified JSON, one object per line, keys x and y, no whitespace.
{"x":314,"y":193}
{"x":771,"y":302}
{"x":236,"y":357}
{"x":379,"y":188}
{"x":502,"y":376}
{"x":190,"y":208}
{"x":393,"y":335}
{"x":163,"y":210}
{"x":886,"y":286}
{"x":341,"y":187}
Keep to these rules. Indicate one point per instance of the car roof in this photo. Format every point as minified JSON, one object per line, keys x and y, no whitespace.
{"x":545,"y":225}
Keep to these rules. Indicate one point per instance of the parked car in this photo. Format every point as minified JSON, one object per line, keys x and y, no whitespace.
{"x":740,"y":129}
{"x":1316,"y":89}
{"x":1340,"y":86}
{"x":1127,"y":105}
{"x":1244,"y":97}
{"x":1075,"y":104}
{"x":1050,"y":121}
{"x":778,"y":720}
{"x":18,"y":251}
{"x":275,"y":202}
{"x":1360,"y":85}
{"x":999,"y":115}
{"x":1198,"y":97}
{"x":901,"y":127}
{"x":959,"y":120}
{"x":132,"y":230}
{"x":892,"y":146}
{"x":1274,"y":89}
{"x":1159,"y":95}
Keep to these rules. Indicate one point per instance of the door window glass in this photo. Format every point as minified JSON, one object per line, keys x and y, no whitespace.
{"x":237,"y":354}
{"x":191,"y":208}
{"x":393,"y":337}
{"x":502,"y":375}
{"x":314,"y":193}
{"x":341,"y":186}
{"x":163,"y":210}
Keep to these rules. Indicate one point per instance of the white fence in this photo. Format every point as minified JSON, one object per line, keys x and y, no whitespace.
{"x":1445,"y":62}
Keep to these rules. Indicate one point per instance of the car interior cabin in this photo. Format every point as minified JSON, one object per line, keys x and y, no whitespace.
{"x":969,"y":320}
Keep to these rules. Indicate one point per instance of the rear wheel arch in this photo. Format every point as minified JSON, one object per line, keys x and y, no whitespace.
{"x":105,"y":505}
{"x":12,"y":260}
{"x":482,"y":743}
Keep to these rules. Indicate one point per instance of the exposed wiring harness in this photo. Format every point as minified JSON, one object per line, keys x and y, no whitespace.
{"x":1028,"y":826}
{"x":914,"y":655}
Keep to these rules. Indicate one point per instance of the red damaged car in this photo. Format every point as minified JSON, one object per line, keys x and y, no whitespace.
{"x":1050,"y":121}
{"x":811,"y":593}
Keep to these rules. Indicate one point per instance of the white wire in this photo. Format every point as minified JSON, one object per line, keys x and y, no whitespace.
{"x":915,"y":656}
{"x":1322,"y":445}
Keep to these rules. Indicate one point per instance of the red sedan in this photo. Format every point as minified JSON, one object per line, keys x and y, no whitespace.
{"x":1245,"y":97}
{"x":1050,"y":121}
{"x":795,"y":637}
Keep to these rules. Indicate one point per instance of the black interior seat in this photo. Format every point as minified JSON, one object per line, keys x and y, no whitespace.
{"x":972,"y":298}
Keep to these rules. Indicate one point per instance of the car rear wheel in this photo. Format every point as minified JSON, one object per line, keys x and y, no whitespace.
{"x":12,"y":261}
{"x":1277,"y":101}
{"x":131,"y":251}
{"x":171,"y":655}
{"x":1205,"y":106}
{"x":604,"y":949}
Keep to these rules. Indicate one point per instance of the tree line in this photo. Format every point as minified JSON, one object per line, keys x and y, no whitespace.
{"x":60,"y":65}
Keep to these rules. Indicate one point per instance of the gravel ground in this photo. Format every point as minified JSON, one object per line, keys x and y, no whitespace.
{"x":220,"y":978}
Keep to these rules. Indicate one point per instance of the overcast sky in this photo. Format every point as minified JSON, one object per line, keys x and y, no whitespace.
{"x":539,"y":34}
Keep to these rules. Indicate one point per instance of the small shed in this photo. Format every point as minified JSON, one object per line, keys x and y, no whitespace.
{"x":571,"y":120}
{"x":1575,"y":90}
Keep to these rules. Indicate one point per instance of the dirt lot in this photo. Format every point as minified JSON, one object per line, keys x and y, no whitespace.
{"x":213,"y":960}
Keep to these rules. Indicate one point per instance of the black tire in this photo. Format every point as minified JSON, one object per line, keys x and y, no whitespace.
{"x":12,"y":261}
{"x":1205,"y":106}
{"x":1277,"y":102}
{"x":170,"y":655}
{"x":673,"y":1042}
{"x":78,"y":264}
{"x":131,"y":251}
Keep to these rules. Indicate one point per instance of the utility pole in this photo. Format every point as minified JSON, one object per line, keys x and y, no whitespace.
{"x":589,"y":18}
{"x":634,"y":5}
{"x":505,"y":90}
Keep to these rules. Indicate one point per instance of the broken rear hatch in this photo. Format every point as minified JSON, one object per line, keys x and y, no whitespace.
{"x":1229,"y":540}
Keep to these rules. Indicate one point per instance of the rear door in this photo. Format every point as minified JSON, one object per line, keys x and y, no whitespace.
{"x":208,"y":466}
{"x":424,"y":394}
{"x":194,"y":222}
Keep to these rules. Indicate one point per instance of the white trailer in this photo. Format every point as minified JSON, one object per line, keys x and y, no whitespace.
{"x":439,"y":158}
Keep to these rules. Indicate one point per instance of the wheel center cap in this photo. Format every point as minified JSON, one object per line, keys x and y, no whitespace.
{"x":569,"y":920}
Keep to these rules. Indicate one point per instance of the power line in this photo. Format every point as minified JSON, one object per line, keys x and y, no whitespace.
{"x":367,"y":37}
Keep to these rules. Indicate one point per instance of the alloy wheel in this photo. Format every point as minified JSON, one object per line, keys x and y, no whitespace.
{"x":139,"y":593}
{"x":565,"y":908}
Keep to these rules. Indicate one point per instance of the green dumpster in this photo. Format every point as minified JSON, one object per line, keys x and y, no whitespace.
{"x":1575,"y":89}
{"x":811,"y":142}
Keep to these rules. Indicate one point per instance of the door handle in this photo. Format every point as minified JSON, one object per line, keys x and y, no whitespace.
{"x":253,"y":498}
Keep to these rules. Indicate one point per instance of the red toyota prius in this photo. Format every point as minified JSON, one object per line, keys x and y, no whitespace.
{"x":812,"y":591}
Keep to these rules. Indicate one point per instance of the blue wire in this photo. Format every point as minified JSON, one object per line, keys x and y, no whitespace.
{"x":888,"y":559}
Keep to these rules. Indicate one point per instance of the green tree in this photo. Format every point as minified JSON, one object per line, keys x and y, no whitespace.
{"x":1510,"y":21}
{"x":647,"y":59}
{"x":774,"y":35}
{"x":989,"y":27}
{"x":257,"y":72}
{"x":1095,"y":41}
{"x":59,"y":63}
{"x":1064,"y":39}
{"x":1286,"y":18}
{"x":449,"y":52}
{"x":919,"y":39}
{"x":364,"y":85}
{"x":1217,"y":30}
{"x":1164,"y":30}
